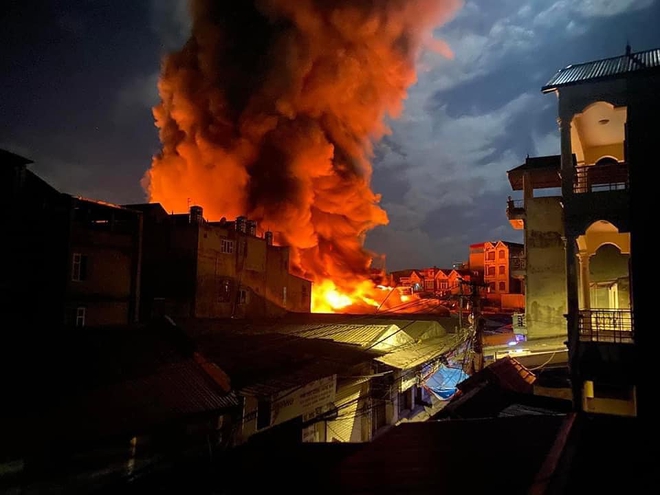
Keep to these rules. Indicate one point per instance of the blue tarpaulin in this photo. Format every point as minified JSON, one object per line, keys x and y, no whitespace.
{"x":443,"y":382}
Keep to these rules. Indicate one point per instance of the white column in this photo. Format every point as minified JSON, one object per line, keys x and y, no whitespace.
{"x":585,"y":282}
{"x":567,"y":165}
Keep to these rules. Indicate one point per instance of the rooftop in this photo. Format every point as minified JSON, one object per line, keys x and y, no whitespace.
{"x":264,"y":364}
{"x":13,"y":159}
{"x":609,"y":68}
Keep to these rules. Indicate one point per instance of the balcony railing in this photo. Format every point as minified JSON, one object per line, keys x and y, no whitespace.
{"x":606,"y":325}
{"x":515,"y":205}
{"x":603,"y":177}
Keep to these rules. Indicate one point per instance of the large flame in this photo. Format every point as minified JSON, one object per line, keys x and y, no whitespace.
{"x":271,"y":110}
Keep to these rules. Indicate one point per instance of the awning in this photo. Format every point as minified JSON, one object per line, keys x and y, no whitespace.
{"x":443,"y":382}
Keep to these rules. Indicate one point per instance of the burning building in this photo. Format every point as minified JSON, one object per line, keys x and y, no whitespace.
{"x":270,"y":111}
{"x":200,"y":269}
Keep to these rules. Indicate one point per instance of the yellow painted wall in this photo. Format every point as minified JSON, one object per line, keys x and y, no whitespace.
{"x":595,"y":153}
{"x":545,"y":294}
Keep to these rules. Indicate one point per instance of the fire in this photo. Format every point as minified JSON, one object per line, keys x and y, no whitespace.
{"x":271,"y":110}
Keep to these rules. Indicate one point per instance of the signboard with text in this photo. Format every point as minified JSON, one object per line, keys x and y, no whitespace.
{"x":303,"y":400}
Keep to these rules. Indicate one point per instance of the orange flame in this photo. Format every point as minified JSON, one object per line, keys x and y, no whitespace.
{"x":271,"y":110}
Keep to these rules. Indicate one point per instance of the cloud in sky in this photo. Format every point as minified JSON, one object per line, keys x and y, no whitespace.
{"x":442,"y":171}
{"x":471,"y":118}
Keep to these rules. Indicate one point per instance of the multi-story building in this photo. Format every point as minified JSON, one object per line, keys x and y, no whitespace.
{"x":608,"y":124}
{"x":201,"y":269}
{"x":501,"y":266}
{"x":438,"y":281}
{"x":543,"y":266}
{"x":74,"y":261}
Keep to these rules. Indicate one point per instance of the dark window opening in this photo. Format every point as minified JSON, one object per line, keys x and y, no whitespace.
{"x":79,"y":267}
{"x":263,"y":414}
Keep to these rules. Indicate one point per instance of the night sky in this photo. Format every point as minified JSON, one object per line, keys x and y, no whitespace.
{"x":79,"y":81}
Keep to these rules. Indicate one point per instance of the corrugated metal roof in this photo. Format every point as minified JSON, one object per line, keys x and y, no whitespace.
{"x":419,"y":353}
{"x":349,"y":333}
{"x":132,"y":406}
{"x":506,"y":372}
{"x":264,"y":364}
{"x":606,"y":68}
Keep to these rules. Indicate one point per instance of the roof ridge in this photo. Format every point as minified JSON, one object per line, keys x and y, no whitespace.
{"x":627,"y":55}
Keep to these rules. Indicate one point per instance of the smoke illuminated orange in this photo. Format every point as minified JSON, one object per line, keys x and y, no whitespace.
{"x":271,"y":111}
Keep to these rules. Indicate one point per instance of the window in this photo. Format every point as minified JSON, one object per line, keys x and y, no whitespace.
{"x":224,"y":290}
{"x":79,"y":267}
{"x":242,"y":296}
{"x":502,"y":269}
{"x":502,"y":286}
{"x":428,"y":284}
{"x":284,"y":296}
{"x":241,"y":247}
{"x":491,"y":270}
{"x":491,"y":287}
{"x":444,"y":284}
{"x":80,"y":316}
{"x":490,"y":255}
{"x":226,"y":246}
{"x":502,"y":254}
{"x":304,"y":295}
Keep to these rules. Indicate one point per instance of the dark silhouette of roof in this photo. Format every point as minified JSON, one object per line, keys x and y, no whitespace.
{"x":608,"y":68}
{"x":9,"y":158}
{"x":500,"y":455}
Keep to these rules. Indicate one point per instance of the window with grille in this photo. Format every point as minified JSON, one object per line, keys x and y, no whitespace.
{"x":79,"y":267}
{"x":81,"y":312}
{"x":226,"y":246}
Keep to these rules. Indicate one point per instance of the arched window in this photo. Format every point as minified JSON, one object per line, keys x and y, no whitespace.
{"x":607,"y":160}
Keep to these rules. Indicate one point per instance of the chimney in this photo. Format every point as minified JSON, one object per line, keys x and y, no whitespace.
{"x":241,"y":224}
{"x":196,"y":214}
{"x":269,"y":238}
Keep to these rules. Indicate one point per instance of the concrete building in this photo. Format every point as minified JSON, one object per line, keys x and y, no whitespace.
{"x":201,"y":269}
{"x":476,"y":260}
{"x":73,"y":261}
{"x":608,"y":123}
{"x":544,"y":263}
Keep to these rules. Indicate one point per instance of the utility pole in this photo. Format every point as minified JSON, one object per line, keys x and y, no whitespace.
{"x":477,"y":362}
{"x":478,"y":358}
{"x":460,"y":304}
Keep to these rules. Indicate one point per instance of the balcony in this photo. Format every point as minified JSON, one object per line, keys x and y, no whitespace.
{"x":606,"y":325}
{"x":515,"y":212}
{"x":601,"y":177}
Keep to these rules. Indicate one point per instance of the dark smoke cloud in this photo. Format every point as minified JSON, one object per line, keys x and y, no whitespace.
{"x":271,"y":110}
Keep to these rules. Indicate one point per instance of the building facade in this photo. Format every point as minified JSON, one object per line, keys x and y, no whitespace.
{"x":544,"y":263}
{"x":200,"y":269}
{"x":500,"y":265}
{"x":608,"y":124}
{"x":74,"y":261}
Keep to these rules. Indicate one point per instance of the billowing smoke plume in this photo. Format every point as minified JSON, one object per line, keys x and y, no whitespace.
{"x":271,"y":109}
